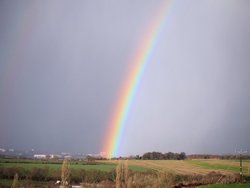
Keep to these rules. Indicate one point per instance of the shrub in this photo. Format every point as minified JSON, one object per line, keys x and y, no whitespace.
{"x":39,"y":174}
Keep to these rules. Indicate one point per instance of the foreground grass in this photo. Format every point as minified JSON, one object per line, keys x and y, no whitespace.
{"x":22,"y":183}
{"x":226,"y":186}
{"x":144,"y":172}
{"x":5,"y":182}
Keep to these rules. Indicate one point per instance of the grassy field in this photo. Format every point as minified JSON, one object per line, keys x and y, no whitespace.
{"x":179,"y":167}
{"x":221,"y":165}
{"x":190,"y":166}
{"x":89,"y":169}
{"x":56,"y":165}
{"x":226,"y":186}
{"x":9,"y":182}
{"x":5,"y":182}
{"x":28,"y":166}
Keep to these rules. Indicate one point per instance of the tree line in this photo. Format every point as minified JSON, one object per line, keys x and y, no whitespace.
{"x":161,"y":156}
{"x":225,"y":157}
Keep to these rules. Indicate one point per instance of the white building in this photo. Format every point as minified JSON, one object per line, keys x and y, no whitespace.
{"x":40,"y":156}
{"x":53,"y":156}
{"x":2,"y":150}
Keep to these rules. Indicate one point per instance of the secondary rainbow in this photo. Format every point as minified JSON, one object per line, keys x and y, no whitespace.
{"x":21,"y":35}
{"x":129,"y":88}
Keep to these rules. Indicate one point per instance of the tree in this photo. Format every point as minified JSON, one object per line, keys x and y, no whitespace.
{"x":65,"y":176}
{"x":182,"y":156}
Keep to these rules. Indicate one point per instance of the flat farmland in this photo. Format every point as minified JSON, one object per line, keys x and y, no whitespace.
{"x":43,"y":172}
{"x":226,"y":186}
{"x":102,"y":166}
{"x":55,"y":166}
{"x":196,"y":166}
{"x":58,"y":166}
{"x":187,"y":167}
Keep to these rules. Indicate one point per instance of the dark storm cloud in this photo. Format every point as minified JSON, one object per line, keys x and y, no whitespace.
{"x":62,"y":64}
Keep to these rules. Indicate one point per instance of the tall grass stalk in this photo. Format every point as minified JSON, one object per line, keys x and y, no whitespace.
{"x":15,"y":181}
{"x":65,"y":175}
{"x":122,"y":175}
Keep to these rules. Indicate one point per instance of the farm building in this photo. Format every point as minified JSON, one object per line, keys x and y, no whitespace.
{"x":40,"y":156}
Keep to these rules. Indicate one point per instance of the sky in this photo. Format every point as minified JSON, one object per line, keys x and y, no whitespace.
{"x":63,"y":63}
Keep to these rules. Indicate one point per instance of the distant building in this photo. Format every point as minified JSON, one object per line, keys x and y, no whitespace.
{"x":53,"y":156}
{"x":40,"y":156}
{"x":103,"y":154}
{"x":67,"y":157}
{"x":2,"y":150}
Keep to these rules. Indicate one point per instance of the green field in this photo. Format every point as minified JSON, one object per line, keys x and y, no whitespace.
{"x":6,"y":182}
{"x":41,"y":172}
{"x":56,"y":165}
{"x":28,"y":166}
{"x":218,"y":165}
{"x":9,"y":182}
{"x":226,"y":186}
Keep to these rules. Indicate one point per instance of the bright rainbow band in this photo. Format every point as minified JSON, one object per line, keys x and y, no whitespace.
{"x":130,"y":86}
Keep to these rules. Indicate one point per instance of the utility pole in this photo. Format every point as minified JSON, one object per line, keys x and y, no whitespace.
{"x":240,"y":153}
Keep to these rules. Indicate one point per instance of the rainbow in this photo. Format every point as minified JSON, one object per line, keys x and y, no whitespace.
{"x":130,"y":86}
{"x":23,"y":25}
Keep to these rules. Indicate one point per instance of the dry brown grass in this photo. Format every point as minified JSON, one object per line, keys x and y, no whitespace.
{"x":168,"y":173}
{"x":15,"y":181}
{"x":122,"y":175}
{"x":65,"y":176}
{"x":179,"y":167}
